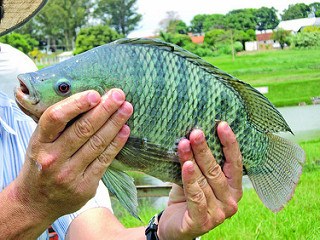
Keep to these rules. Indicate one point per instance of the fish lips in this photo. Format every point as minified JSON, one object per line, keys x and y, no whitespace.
{"x":26,"y":96}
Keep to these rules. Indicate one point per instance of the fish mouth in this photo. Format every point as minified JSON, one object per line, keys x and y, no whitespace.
{"x":27,"y":98}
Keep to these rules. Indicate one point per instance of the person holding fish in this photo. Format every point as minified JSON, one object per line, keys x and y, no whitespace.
{"x":48,"y":175}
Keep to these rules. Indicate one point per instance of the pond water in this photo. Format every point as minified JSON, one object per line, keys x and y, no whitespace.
{"x":304,"y":121}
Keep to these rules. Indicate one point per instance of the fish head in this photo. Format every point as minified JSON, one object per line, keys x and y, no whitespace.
{"x":39,"y":90}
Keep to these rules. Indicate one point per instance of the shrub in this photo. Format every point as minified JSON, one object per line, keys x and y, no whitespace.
{"x":306,"y":40}
{"x":23,"y":42}
{"x":95,"y":36}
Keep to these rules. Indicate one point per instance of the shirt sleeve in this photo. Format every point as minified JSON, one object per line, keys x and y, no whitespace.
{"x":100,"y":200}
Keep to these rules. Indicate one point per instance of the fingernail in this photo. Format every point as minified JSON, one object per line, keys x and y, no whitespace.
{"x":93,"y":97}
{"x":225,"y":126}
{"x":200,"y":137}
{"x":126,"y":108}
{"x":117,"y":96}
{"x":185,"y":147}
{"x":125,"y":131}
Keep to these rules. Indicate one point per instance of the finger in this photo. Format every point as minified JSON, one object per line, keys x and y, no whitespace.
{"x":97,"y":144}
{"x":98,"y":167}
{"x":233,"y":165}
{"x":54,"y":120}
{"x":176,"y":195}
{"x":186,"y":154}
{"x":77,"y":134}
{"x":208,"y":165}
{"x":196,"y":200}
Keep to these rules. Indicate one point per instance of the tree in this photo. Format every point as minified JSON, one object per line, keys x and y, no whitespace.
{"x":197,"y":23}
{"x":266,"y":18}
{"x":295,"y":11}
{"x":315,"y":8}
{"x":95,"y":36}
{"x":282,"y":36}
{"x":244,"y":36}
{"x":214,"y":21}
{"x":60,"y":19}
{"x":241,"y":19}
{"x":120,"y":14}
{"x":177,"y":26}
{"x":206,"y":22}
{"x":215,"y":36}
{"x":171,"y":17}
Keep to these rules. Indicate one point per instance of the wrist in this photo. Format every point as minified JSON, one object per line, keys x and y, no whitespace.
{"x":35,"y":208}
{"x":18,"y":218}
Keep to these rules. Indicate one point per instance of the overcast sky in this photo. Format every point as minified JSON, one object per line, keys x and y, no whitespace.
{"x":153,"y":11}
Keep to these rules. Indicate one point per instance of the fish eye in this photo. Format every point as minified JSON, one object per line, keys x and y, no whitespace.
{"x":63,"y":87}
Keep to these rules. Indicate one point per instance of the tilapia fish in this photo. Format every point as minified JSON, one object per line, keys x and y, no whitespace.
{"x":173,"y":91}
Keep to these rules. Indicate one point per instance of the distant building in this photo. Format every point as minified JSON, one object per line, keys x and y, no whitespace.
{"x":297,"y":25}
{"x":263,"y":41}
{"x":264,"y":38}
{"x":196,"y":38}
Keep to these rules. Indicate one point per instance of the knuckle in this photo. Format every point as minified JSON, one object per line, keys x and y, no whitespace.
{"x":104,"y":159}
{"x":64,"y":178}
{"x":198,"y":197}
{"x":116,"y":122}
{"x":110,"y":107}
{"x":220,"y":216}
{"x":44,"y":160}
{"x":108,"y":155}
{"x":202,"y":182}
{"x":97,"y":143}
{"x":214,"y":171}
{"x":232,"y":207}
{"x":54,"y":115}
{"x":203,"y":151}
{"x":83,"y":128}
{"x":79,"y":105}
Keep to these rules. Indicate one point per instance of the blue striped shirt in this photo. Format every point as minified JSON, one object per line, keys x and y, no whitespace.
{"x":15,"y":131}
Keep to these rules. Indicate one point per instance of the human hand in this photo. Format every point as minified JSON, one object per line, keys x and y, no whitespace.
{"x":67,"y":157}
{"x":209,"y":195}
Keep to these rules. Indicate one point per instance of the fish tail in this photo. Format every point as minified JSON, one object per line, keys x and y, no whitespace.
{"x":275,"y":179}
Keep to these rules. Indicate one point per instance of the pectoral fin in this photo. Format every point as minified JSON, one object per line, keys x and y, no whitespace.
{"x":122,"y":186}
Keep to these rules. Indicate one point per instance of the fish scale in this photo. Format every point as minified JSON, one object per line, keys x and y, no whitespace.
{"x":174,"y":91}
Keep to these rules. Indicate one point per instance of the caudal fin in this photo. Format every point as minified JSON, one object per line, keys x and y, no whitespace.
{"x":276,"y":177}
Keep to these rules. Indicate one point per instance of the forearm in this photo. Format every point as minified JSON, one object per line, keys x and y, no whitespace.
{"x":18,"y":220}
{"x":100,"y":223}
{"x":131,"y":233}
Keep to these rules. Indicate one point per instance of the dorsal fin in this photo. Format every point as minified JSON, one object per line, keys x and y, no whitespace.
{"x":261,"y":112}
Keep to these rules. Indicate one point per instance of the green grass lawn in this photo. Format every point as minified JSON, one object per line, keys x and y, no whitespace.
{"x":300,"y":219}
{"x":292,"y":75}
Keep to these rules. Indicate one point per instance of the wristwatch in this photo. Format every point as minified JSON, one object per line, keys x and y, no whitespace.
{"x":151,"y":231}
{"x":152,"y":228}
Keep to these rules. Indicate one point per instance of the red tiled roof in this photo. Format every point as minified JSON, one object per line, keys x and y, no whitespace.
{"x":264,"y":37}
{"x":197,"y":39}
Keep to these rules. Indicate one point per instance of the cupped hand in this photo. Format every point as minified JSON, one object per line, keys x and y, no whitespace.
{"x":74,"y":143}
{"x":210,"y":194}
